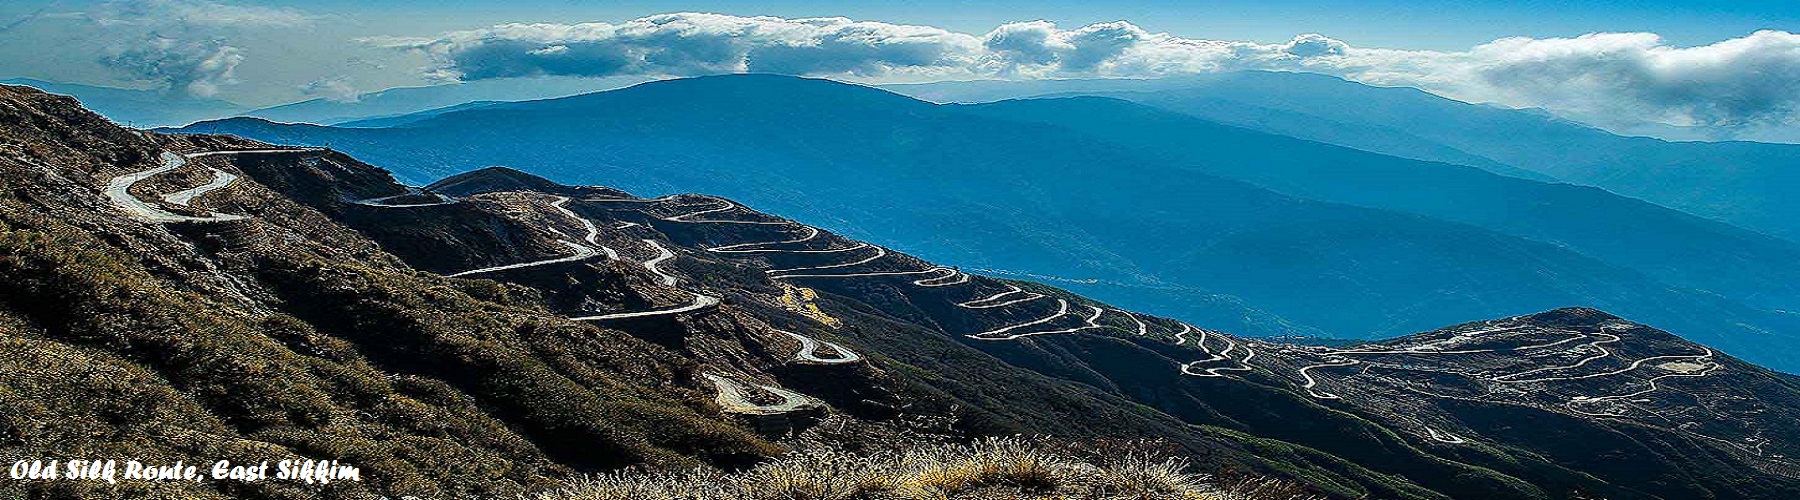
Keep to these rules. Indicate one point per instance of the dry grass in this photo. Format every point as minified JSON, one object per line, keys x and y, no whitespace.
{"x":996,"y":468}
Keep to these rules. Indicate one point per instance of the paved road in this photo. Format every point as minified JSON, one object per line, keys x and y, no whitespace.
{"x":1143,"y":330}
{"x":700,"y":302}
{"x":183,"y":197}
{"x":810,"y":233}
{"x":593,"y":232}
{"x":954,"y":277}
{"x":1225,"y":355}
{"x":580,"y":252}
{"x":988,"y":302}
{"x":118,"y":189}
{"x":1062,"y":309}
{"x":1310,"y":383}
{"x":662,"y":255}
{"x":1181,"y":336}
{"x":724,"y":205}
{"x":1444,"y":437}
{"x":381,"y":201}
{"x":879,"y":253}
{"x":1604,"y":353}
{"x":734,"y":397}
{"x":809,"y":351}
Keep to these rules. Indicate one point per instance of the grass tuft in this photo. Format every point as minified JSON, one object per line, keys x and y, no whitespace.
{"x":994,"y":468}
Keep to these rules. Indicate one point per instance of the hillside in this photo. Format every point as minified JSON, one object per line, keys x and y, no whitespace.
{"x":497,"y":334}
{"x":240,"y":301}
{"x":1235,"y":233}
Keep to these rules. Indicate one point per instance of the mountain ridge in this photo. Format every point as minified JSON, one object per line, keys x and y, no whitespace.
{"x":1726,"y":180}
{"x":891,"y":169}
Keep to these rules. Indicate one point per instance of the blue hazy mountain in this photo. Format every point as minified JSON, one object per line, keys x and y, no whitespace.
{"x":397,"y":120}
{"x":400,"y":101}
{"x":1015,"y":188}
{"x":1214,"y":98}
{"x":1669,"y":245}
{"x":141,"y":108}
{"x":1744,"y":183}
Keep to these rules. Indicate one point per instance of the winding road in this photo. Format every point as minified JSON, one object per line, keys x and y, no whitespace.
{"x":1604,"y":353}
{"x":1444,"y":437}
{"x":183,"y":197}
{"x":1062,"y":309}
{"x":724,"y":205}
{"x":809,"y":349}
{"x":734,"y":397}
{"x":1310,"y":383}
{"x":581,"y":252}
{"x":954,"y":278}
{"x":701,"y":301}
{"x":118,"y":189}
{"x":593,"y":232}
{"x":662,"y":255}
{"x":988,"y":302}
{"x":1225,"y":355}
{"x":381,"y":201}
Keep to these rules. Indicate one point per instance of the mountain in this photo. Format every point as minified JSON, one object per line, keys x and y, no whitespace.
{"x":143,"y":108}
{"x":1737,"y":182}
{"x":1668,"y":245}
{"x":497,"y":334}
{"x":1231,"y":233}
{"x":1212,"y":102}
{"x":403,"y":119}
{"x":400,"y":101}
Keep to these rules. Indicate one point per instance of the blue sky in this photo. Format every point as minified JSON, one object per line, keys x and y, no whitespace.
{"x":1386,"y":23}
{"x":1694,"y":63}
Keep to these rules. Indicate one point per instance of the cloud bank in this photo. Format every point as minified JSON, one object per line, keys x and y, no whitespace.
{"x":193,"y":68}
{"x":194,"y":12}
{"x":1753,"y":80}
{"x":338,"y":89}
{"x":181,"y":44}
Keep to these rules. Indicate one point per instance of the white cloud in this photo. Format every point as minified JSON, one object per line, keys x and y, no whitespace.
{"x":194,"y":68}
{"x":194,"y":13}
{"x":1624,"y":76}
{"x":694,"y":44}
{"x":338,"y":89}
{"x":1314,"y":45}
{"x":182,"y":44}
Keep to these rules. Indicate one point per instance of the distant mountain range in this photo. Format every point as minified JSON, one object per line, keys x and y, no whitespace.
{"x":1255,"y":232}
{"x":139,"y":108}
{"x":1744,"y":183}
{"x":156,"y":108}
{"x":400,"y":101}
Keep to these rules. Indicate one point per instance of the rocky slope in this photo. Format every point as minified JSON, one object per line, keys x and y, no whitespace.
{"x":495,"y":332}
